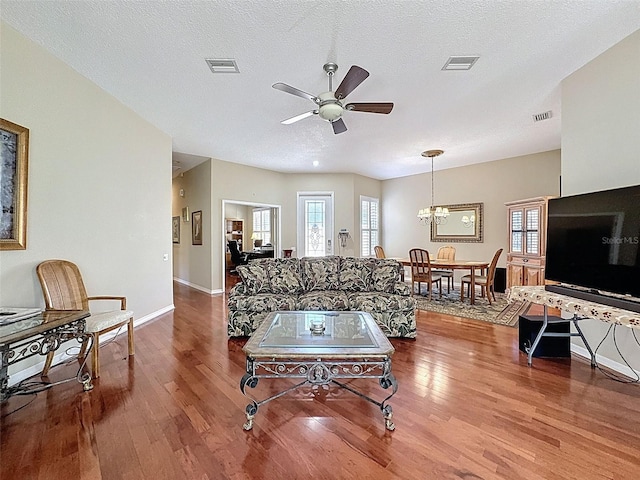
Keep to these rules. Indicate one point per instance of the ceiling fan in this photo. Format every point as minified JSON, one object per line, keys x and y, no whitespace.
{"x":329,"y":105}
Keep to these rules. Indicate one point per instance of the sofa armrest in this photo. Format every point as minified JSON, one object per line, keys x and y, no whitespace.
{"x":238,"y":289}
{"x":402,"y":289}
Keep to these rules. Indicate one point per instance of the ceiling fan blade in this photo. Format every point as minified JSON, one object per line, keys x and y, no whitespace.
{"x":354,"y":77}
{"x":381,"y":107}
{"x":338,"y":126}
{"x":294,"y":91}
{"x":291,"y":120}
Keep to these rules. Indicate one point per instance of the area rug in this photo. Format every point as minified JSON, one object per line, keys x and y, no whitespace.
{"x":499,"y":312}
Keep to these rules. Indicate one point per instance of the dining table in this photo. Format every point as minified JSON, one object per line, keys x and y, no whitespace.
{"x":471,"y":265}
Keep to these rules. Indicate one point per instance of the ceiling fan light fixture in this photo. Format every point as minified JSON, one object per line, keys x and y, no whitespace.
{"x":330,"y":109}
{"x":329,"y":104}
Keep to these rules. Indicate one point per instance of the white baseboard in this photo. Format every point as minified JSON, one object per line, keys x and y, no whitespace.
{"x":606,"y":362}
{"x":197,"y":287}
{"x":28,"y":372}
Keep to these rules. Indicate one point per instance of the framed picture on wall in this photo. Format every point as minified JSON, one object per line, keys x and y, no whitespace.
{"x":175,"y":229}
{"x":185,"y":214}
{"x":196,"y":228}
{"x":14,"y":153}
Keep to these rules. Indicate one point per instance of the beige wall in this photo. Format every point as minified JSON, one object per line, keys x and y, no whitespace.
{"x":237,"y":184}
{"x":601,"y":150}
{"x":192,"y":263}
{"x":99,"y":178}
{"x":502,"y":181}
{"x":347,"y":189}
{"x":492,"y":183}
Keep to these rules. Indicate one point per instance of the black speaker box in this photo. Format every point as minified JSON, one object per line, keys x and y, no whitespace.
{"x":500,"y":280}
{"x":528,"y":328}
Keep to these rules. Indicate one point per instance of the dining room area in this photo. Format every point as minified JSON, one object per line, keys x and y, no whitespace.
{"x":451,"y":271}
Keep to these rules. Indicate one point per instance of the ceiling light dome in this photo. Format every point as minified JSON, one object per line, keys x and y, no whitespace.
{"x":330,"y":108}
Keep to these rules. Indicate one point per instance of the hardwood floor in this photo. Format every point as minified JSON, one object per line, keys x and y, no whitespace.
{"x":468,"y":407}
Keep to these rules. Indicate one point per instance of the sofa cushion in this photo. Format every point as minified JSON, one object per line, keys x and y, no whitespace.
{"x":380,"y":302}
{"x":355,"y":274}
{"x":320,"y":273}
{"x":284,"y":275}
{"x":255,"y":276}
{"x":385,"y":274}
{"x":262,"y":302}
{"x":323,"y":300}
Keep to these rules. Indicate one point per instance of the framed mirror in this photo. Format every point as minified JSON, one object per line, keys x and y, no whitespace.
{"x":464,"y":224}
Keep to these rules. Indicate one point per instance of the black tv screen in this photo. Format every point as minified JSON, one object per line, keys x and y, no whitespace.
{"x":593,"y":241}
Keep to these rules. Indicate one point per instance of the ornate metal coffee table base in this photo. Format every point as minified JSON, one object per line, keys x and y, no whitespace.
{"x":319,"y":372}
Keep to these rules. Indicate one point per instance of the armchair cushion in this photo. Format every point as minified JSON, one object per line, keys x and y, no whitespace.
{"x":101,"y":321}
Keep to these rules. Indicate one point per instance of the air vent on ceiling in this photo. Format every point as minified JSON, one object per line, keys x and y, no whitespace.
{"x":538,"y":117}
{"x":175,"y":165}
{"x":222,"y":65}
{"x":460,"y":63}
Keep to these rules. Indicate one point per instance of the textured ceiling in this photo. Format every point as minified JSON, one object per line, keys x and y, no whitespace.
{"x":150,"y":56}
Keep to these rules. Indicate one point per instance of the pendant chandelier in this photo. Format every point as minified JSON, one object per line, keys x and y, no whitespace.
{"x":433,"y":213}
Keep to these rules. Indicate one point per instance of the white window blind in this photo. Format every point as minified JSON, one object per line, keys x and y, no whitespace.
{"x":262,"y":225}
{"x":369,"y":225}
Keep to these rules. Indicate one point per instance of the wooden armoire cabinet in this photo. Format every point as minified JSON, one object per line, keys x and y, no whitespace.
{"x":527,"y":241}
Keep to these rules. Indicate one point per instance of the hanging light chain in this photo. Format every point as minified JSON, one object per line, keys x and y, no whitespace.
{"x":432,"y":213}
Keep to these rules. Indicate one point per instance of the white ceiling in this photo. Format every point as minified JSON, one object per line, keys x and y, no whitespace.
{"x":151,"y":56}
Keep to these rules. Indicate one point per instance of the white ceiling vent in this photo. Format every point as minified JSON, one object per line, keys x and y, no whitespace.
{"x":460,"y":63}
{"x":538,"y":117}
{"x":222,"y":65}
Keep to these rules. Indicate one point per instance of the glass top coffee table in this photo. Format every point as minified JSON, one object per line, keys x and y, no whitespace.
{"x":321,"y":348}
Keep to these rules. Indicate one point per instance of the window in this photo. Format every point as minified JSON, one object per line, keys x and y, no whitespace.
{"x":262,"y":225}
{"x":369,"y":208}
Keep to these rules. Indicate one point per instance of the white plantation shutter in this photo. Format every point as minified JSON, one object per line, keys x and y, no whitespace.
{"x":369,"y":225}
{"x":262,"y":224}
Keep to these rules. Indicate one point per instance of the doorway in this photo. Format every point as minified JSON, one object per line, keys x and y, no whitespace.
{"x":315,"y":224}
{"x":238,"y":223}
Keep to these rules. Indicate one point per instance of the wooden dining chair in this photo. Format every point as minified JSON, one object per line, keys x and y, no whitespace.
{"x":447,"y":252}
{"x":486,"y":282}
{"x":421,"y":271}
{"x":379,"y":251}
{"x":64,"y":289}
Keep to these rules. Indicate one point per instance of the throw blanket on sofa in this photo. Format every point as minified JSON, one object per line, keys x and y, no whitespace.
{"x":322,"y":283}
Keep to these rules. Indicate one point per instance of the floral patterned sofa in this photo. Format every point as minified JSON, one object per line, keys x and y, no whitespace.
{"x":322,"y":283}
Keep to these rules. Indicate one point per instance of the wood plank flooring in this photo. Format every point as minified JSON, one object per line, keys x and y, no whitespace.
{"x":468,"y":407}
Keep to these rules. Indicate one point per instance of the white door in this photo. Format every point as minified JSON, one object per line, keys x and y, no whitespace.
{"x":315,"y":224}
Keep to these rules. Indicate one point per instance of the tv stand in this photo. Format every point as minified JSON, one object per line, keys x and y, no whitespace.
{"x":595,"y":296}
{"x":581,"y":309}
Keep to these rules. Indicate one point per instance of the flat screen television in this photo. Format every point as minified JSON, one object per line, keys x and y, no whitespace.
{"x":593,"y":245}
